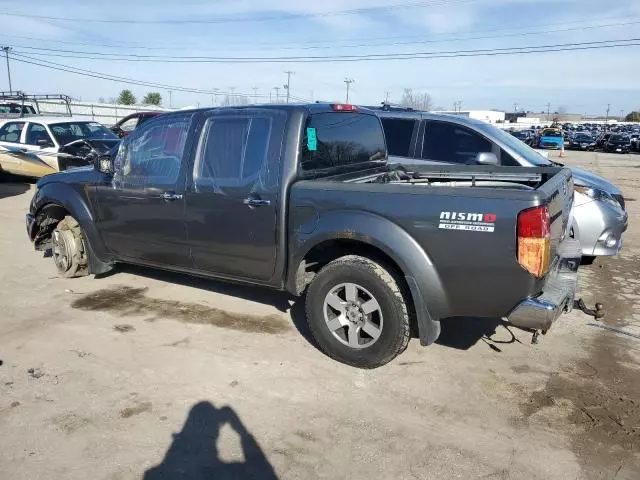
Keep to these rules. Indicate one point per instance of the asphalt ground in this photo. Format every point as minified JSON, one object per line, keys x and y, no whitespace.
{"x":147,"y":374}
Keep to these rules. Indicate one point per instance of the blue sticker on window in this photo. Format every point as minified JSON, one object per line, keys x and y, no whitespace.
{"x":312,"y":139}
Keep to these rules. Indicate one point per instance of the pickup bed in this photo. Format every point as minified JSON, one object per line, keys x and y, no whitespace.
{"x":301,"y":198}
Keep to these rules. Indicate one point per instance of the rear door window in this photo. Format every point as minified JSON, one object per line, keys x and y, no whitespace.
{"x":398,"y":132}
{"x":448,"y":142}
{"x":239,"y":150}
{"x":340,"y":139}
{"x":10,"y":132}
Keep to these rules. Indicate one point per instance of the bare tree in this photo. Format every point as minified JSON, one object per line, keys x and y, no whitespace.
{"x":415,"y":100}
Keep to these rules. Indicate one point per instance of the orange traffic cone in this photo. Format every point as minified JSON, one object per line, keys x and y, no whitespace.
{"x":562,"y":151}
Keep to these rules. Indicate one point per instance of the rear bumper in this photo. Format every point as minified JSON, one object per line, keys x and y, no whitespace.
{"x":539,"y":313}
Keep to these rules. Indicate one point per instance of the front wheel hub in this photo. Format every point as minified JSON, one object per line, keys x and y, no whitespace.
{"x":62,"y":249}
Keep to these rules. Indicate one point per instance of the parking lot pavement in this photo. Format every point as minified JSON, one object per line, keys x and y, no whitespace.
{"x":155,"y":375}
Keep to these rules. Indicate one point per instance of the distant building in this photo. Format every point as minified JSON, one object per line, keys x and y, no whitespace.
{"x":489,"y":116}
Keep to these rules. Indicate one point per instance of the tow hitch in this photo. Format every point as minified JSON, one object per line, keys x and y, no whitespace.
{"x":596,"y":313}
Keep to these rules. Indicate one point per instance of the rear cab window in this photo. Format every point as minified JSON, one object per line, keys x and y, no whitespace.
{"x":334,"y":140}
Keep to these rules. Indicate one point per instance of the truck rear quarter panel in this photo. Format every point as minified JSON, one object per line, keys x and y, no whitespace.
{"x":461,"y":272}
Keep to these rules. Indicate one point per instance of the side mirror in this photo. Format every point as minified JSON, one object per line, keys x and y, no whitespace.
{"x":43,"y":143}
{"x":486,"y":158}
{"x":104,"y":164}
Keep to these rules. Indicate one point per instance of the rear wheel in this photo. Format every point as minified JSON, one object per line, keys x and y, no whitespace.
{"x":68,"y":249}
{"x":357,"y":312}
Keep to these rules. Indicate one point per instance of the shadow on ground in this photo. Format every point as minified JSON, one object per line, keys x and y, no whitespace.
{"x":12,"y":189}
{"x":462,"y":333}
{"x":194,"y":454}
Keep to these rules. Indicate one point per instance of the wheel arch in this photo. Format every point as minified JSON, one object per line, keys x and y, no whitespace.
{"x":380,"y":240}
{"x":55,"y":201}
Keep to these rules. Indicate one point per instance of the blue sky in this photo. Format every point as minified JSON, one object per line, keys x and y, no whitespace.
{"x":580,"y":81}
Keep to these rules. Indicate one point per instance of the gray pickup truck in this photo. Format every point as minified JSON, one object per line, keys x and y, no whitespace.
{"x":300,"y":198}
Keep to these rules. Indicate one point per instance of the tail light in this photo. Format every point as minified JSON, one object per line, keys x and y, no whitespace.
{"x":534,"y":240}
{"x":344,"y":107}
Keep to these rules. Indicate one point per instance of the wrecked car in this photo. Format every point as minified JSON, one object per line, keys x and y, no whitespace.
{"x":38,"y":146}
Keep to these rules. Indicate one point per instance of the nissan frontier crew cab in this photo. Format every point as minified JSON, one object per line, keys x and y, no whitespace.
{"x":300,"y":198}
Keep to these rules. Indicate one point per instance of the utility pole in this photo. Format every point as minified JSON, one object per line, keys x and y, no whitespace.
{"x":170,"y":99}
{"x":386,"y":97}
{"x":6,"y":53}
{"x":277,"y":89}
{"x":515,"y":107}
{"x":287,"y":87}
{"x":214,"y":97}
{"x":621,"y":114}
{"x":348,"y":82}
{"x":232,"y":97}
{"x":548,"y":111}
{"x":606,"y":119}
{"x":255,"y":94}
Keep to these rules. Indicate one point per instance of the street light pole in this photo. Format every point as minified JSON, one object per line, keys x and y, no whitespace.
{"x":348,"y":82}
{"x":6,"y":53}
{"x":288,"y":85}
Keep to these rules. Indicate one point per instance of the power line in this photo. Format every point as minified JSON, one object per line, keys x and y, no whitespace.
{"x":430,"y":39}
{"x":338,"y":58}
{"x":130,"y":81}
{"x":265,"y":18}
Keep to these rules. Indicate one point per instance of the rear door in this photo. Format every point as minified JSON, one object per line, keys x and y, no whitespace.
{"x":232,"y":203}
{"x":41,"y":156}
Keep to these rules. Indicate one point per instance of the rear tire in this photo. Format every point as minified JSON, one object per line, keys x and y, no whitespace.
{"x":68,"y":249}
{"x":357,"y":313}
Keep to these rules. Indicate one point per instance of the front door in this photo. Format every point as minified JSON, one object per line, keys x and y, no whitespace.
{"x":232,"y":203}
{"x":41,"y":153}
{"x":141,"y":212}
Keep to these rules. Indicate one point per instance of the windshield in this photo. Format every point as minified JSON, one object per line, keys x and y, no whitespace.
{"x":618,"y":139}
{"x":551,"y":133}
{"x":583,"y":138}
{"x":520,"y":135}
{"x":72,"y":131}
{"x":521,"y":148}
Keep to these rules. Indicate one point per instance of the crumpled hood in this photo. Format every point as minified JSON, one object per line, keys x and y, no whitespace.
{"x":81,"y":149}
{"x":588,"y":179}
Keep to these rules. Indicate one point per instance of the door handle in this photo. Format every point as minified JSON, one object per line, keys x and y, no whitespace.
{"x":170,"y":197}
{"x":256,"y":202}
